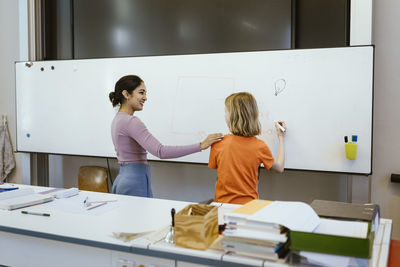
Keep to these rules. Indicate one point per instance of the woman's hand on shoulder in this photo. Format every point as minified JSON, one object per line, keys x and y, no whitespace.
{"x":210,"y":139}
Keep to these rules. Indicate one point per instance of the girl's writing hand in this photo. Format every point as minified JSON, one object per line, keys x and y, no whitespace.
{"x":278,"y":129}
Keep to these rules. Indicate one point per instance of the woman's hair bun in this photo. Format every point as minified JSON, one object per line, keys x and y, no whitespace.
{"x":112,"y":99}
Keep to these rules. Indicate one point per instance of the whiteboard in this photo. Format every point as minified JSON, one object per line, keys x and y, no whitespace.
{"x":321,"y":94}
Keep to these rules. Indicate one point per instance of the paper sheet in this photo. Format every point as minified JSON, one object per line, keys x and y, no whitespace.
{"x":16,"y":193}
{"x":327,"y":260}
{"x":342,"y":228}
{"x":75,"y":204}
{"x":296,"y":216}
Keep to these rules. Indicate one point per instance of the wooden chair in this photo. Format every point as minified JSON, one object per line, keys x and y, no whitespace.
{"x":93,"y":178}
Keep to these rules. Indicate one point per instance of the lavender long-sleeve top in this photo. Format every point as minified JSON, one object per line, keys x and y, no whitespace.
{"x":132,"y":140}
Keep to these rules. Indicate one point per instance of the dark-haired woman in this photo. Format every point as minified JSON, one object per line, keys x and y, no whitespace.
{"x":132,"y":140}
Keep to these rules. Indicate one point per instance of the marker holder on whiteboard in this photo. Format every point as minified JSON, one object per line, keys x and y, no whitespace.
{"x":351,"y":150}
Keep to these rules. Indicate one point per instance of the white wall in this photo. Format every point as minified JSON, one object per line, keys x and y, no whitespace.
{"x":386,"y":155}
{"x":360,"y":22}
{"x":9,"y":53}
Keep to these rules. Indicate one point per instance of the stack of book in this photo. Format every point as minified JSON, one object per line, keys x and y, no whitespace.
{"x":259,"y":229}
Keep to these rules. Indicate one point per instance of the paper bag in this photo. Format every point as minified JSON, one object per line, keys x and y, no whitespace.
{"x":196,"y":226}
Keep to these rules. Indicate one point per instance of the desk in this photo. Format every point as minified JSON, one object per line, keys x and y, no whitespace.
{"x":76,"y":239}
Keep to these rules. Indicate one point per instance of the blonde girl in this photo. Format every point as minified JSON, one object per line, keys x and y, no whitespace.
{"x":238,"y":156}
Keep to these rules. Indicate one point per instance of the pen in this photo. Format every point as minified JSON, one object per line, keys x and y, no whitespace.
{"x":84,"y":202}
{"x":280,"y":126}
{"x":101,"y":201}
{"x":354,"y":138}
{"x":35,"y":213}
{"x":346,"y":139}
{"x":93,"y":207}
{"x":8,"y":189}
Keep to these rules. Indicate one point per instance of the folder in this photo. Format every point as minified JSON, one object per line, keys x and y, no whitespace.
{"x":346,"y":238}
{"x":241,"y":217}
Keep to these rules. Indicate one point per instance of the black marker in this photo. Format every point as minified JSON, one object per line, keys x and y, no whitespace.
{"x":346,"y":139}
{"x":173,"y":217}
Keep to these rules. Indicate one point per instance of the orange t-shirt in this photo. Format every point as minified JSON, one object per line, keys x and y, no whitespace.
{"x":237,"y":159}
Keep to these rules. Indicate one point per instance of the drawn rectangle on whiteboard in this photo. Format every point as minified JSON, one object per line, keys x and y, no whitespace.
{"x":211,"y":92}
{"x":322,"y":95}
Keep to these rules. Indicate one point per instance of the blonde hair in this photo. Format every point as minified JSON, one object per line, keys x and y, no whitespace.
{"x":243,"y":114}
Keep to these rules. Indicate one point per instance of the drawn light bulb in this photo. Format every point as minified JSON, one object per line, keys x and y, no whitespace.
{"x":279,"y":86}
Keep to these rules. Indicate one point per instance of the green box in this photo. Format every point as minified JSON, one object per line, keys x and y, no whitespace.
{"x":331,"y":244}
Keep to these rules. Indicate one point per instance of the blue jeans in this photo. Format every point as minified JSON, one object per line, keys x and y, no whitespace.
{"x":134,"y":180}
